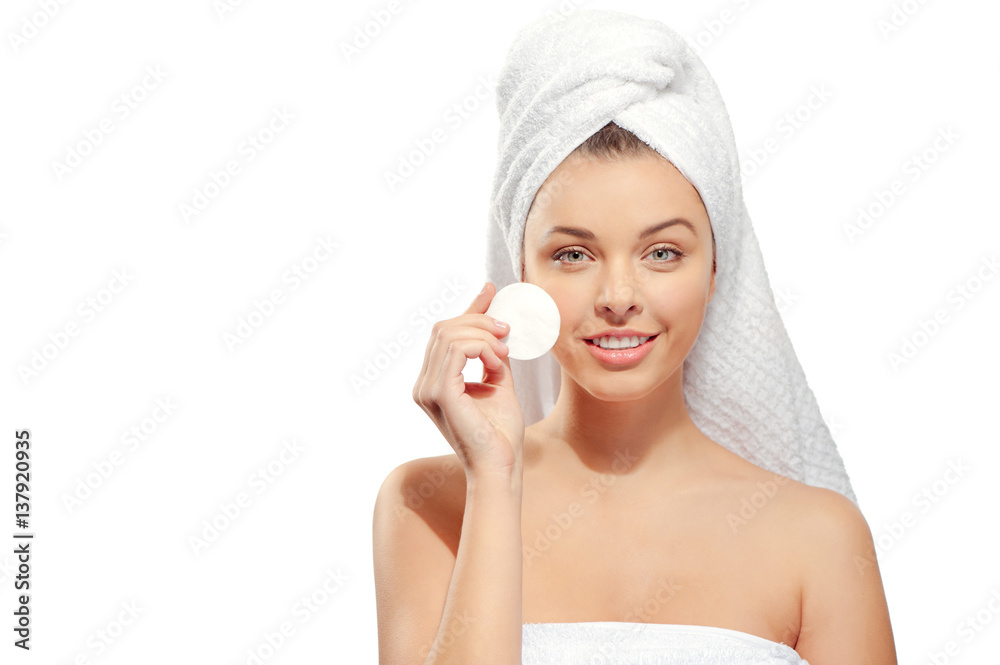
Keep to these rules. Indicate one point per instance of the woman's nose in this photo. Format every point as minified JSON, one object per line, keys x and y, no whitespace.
{"x":619,"y":293}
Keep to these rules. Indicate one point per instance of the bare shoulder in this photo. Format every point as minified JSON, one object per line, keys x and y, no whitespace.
{"x":795,"y":513}
{"x":424,"y":481}
{"x":820,"y":523}
{"x":824,"y":537}
{"x":831,"y":532}
{"x":804,"y":525}
{"x":429,"y":488}
{"x":818,"y":510}
{"x":826,"y":514}
{"x":845,"y":615}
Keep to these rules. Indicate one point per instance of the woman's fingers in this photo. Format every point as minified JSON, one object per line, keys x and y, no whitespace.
{"x":459,"y":352}
{"x":474,"y":315}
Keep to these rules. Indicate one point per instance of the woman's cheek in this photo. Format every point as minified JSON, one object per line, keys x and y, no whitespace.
{"x":680,"y":302}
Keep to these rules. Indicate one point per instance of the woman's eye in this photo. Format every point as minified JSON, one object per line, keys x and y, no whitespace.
{"x":666,"y":250}
{"x":660,"y":254}
{"x":568,"y":252}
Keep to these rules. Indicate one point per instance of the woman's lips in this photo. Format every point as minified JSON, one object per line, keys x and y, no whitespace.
{"x":621,"y":356}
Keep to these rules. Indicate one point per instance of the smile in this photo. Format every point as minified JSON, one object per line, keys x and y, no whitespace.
{"x":620,"y":351}
{"x":619,"y":342}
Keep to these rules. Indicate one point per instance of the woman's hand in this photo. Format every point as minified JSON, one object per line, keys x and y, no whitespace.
{"x":483,"y":422}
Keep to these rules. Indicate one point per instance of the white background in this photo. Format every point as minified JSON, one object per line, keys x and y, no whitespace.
{"x":419,"y":248}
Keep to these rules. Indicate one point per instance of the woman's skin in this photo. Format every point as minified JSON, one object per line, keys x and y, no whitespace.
{"x":628,"y":512}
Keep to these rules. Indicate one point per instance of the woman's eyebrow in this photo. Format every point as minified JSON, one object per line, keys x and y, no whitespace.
{"x":587,"y":235}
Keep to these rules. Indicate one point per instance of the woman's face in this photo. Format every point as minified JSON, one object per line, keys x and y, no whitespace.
{"x":589,"y":242}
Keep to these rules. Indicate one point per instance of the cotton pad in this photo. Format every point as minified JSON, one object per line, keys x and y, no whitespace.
{"x":532,"y":316}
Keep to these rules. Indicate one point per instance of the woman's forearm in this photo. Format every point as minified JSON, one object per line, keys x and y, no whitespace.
{"x":481,"y":622}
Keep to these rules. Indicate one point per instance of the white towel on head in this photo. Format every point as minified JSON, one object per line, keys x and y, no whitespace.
{"x":564,"y":79}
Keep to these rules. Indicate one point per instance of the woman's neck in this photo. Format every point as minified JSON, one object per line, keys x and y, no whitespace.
{"x":632,"y":439}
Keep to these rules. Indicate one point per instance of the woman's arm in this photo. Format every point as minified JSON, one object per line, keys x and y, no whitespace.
{"x":845,"y":618}
{"x":436,"y":607}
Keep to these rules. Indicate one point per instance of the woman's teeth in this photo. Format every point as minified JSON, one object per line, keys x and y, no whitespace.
{"x":619,"y":342}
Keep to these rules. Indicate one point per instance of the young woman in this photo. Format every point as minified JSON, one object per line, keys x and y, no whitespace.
{"x":613,"y":529}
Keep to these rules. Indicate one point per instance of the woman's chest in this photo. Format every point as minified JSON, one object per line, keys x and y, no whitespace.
{"x":674,"y":564}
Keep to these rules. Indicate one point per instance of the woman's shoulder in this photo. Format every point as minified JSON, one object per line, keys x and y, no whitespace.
{"x":429,"y":486}
{"x":806,"y":519}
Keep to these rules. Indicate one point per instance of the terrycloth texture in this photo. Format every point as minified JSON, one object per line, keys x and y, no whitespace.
{"x":623,"y":643}
{"x":564,"y":79}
